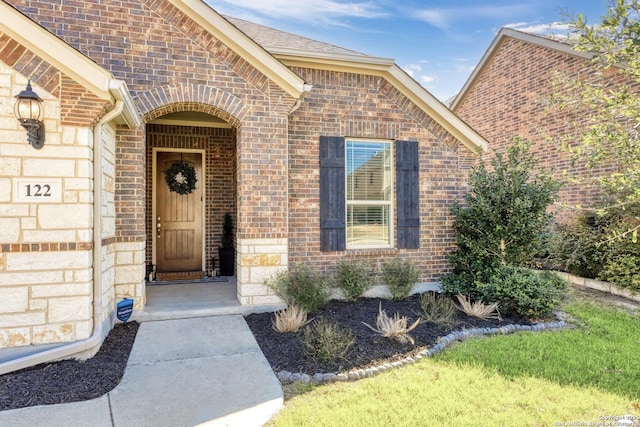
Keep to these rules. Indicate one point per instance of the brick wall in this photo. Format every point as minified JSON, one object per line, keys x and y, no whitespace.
{"x":171,"y":64}
{"x":343,"y":104}
{"x":510,"y":98}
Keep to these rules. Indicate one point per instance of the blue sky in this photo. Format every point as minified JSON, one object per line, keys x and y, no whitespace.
{"x":438,"y":42}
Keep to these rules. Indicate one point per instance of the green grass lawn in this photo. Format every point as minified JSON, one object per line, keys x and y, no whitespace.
{"x":581,"y":375}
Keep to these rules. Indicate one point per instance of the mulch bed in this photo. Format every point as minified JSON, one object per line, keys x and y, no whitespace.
{"x":285,"y":351}
{"x":71,"y":380}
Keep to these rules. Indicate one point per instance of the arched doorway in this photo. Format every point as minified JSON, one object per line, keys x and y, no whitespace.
{"x":184,"y":230}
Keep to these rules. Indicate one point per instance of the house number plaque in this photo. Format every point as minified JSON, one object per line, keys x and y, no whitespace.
{"x":38,"y":190}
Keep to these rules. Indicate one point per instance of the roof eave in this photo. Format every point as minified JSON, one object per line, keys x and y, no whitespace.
{"x":239,"y":42}
{"x":386,"y":68}
{"x":51,"y":48}
{"x":76,"y":66}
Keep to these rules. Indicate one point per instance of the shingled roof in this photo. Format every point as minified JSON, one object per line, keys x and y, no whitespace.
{"x":275,"y":40}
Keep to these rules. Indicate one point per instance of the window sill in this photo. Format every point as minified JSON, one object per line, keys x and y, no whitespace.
{"x":359,"y":252}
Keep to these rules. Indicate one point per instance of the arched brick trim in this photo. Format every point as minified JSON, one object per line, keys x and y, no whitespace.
{"x":206,"y":99}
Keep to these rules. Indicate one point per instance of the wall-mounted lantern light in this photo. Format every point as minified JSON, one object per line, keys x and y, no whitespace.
{"x":28,"y":111}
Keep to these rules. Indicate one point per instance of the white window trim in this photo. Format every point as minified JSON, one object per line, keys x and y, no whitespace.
{"x":389,"y":203}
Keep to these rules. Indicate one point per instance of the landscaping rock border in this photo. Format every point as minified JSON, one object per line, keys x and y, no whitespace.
{"x":287,"y":377}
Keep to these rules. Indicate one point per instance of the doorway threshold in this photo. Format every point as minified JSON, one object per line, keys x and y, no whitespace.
{"x":195,"y":299}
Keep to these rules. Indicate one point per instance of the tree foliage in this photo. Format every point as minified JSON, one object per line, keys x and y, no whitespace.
{"x":611,"y":102}
{"x":504,"y":219}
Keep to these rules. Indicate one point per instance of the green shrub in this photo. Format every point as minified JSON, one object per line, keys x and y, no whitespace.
{"x":522,"y":291}
{"x":504,"y":218}
{"x":354,"y":278}
{"x":623,"y":271}
{"x":301,"y":286}
{"x":438,"y":308}
{"x":324,"y":340}
{"x":577,"y":247}
{"x":400,"y":275}
{"x":461,"y":283}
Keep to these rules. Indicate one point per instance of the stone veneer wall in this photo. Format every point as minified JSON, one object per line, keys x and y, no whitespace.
{"x":45,"y":246}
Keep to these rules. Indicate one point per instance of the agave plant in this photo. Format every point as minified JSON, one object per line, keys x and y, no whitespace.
{"x":393,"y":327}
{"x":478,"y":308}
{"x":290,"y":319}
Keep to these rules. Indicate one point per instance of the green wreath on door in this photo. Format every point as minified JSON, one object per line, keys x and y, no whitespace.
{"x":181,"y":178}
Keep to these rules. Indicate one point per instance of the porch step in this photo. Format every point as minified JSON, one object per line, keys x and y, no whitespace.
{"x":179,"y":275}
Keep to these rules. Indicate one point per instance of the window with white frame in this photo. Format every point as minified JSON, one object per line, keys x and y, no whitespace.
{"x":369,"y":189}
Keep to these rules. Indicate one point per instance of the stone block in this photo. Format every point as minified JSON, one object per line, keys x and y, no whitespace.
{"x":263,"y":260}
{"x":14,"y":337}
{"x":258,"y":274}
{"x":10,"y":166}
{"x":14,"y":300}
{"x":53,"y":333}
{"x":46,"y":167}
{"x":259,"y":300}
{"x":38,"y":304}
{"x":14,"y":210}
{"x":5,"y":190}
{"x":83,"y":329}
{"x":28,"y":223}
{"x":59,"y":290}
{"x":69,"y":309}
{"x":30,"y":278}
{"x":253,"y":290}
{"x":22,"y":319}
{"x":36,"y":236}
{"x":129,"y":274}
{"x":30,"y":261}
{"x":9,"y":230}
{"x":65,"y":216}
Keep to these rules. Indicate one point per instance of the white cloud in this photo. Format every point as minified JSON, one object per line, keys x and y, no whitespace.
{"x":412,"y":69}
{"x":444,"y":18}
{"x":326,"y":11}
{"x":555,"y":28}
{"x":427,"y":79}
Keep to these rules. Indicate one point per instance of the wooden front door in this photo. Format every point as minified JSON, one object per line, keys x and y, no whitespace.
{"x":178,"y":222}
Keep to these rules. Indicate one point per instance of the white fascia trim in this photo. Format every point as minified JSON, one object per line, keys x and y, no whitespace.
{"x":55,"y":51}
{"x":129,"y":115}
{"x":494,"y":46}
{"x":387,"y":69}
{"x":437,"y":110}
{"x":243,"y":45}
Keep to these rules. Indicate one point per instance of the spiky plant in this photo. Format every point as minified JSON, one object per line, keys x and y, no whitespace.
{"x":290,"y":319}
{"x":478,"y":308}
{"x":438,"y":308}
{"x":325,"y":340}
{"x":393,"y":327}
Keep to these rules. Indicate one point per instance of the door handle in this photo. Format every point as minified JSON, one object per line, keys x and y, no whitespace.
{"x":158,"y":227}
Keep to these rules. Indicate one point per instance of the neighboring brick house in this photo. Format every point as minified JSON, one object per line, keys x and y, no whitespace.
{"x":271,"y":123}
{"x":508,"y":94}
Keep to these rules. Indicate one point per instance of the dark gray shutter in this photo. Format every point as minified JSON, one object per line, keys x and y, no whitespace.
{"x":332,"y":194}
{"x":408,"y":194}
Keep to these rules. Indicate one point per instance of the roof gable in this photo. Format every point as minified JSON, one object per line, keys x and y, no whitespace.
{"x":75,"y":65}
{"x":242,"y":44}
{"x":536,"y":40}
{"x":299,"y":51}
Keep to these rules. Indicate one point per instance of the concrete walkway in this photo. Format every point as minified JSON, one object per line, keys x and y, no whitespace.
{"x":205,"y":371}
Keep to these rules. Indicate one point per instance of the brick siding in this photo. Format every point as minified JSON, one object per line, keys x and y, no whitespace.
{"x":510,"y":98}
{"x":344,"y":104}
